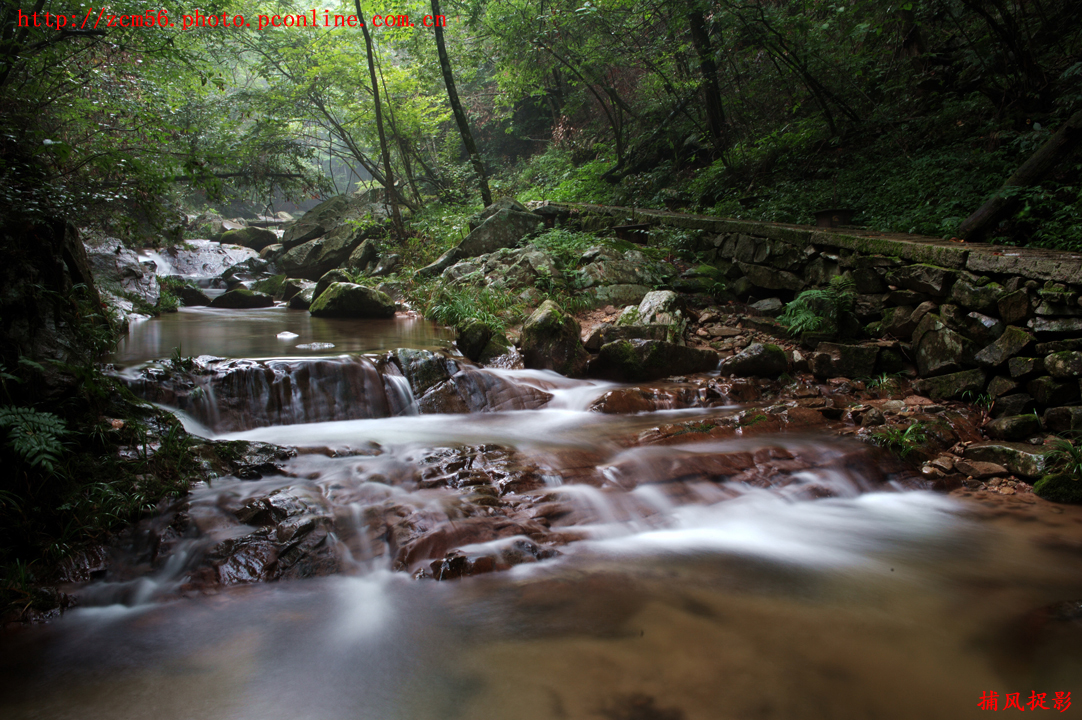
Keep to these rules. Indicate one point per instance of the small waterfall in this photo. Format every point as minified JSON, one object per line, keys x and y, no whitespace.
{"x":162,"y":266}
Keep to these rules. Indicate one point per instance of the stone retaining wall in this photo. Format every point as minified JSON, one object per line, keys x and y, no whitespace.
{"x":973,"y":321}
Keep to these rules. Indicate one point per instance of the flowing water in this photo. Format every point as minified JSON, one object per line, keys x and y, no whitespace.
{"x":534,"y":558}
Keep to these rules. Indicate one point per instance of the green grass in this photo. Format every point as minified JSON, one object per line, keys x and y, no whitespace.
{"x":901,"y":441}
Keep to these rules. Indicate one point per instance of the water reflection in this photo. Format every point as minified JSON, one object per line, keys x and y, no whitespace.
{"x":253,"y":334}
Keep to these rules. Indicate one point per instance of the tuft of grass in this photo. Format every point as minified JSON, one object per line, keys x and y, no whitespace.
{"x":900,"y":441}
{"x":1064,"y":457}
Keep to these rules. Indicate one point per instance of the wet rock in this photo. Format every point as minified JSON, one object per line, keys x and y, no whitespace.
{"x":551,"y":341}
{"x":951,"y":386}
{"x":331,"y":276}
{"x":247,"y":460}
{"x":1063,"y":419}
{"x":660,"y":307}
{"x":472,"y":338}
{"x":838,"y":360}
{"x":1019,"y":458}
{"x":249,"y":237}
{"x":190,"y":296}
{"x":316,"y":222}
{"x":1064,"y":365}
{"x":1059,"y":488}
{"x":756,"y":360}
{"x":978,"y":469}
{"x":346,"y":300}
{"x":642,"y":360}
{"x":423,"y":369}
{"x":771,"y":278}
{"x":242,"y":298}
{"x":935,"y":281}
{"x":1013,"y":427}
{"x":472,"y":390}
{"x":1013,"y":341}
{"x":872,"y":418}
{"x":364,"y":256}
{"x":1014,"y":307}
{"x":119,"y":271}
{"x":302,"y":300}
{"x":896,"y":322}
{"x":979,"y":328}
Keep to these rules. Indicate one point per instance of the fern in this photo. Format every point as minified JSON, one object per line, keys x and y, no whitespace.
{"x":818,"y":309}
{"x":34,"y":435}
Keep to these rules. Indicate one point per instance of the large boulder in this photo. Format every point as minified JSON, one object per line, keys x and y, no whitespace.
{"x":347,"y":300}
{"x":643,"y":360}
{"x":331,"y":276}
{"x":1059,"y":488}
{"x":119,"y":271}
{"x":242,"y":299}
{"x":1064,"y":365}
{"x":310,"y":260}
{"x":940,"y":350}
{"x":756,"y":360}
{"x":249,"y":237}
{"x":1013,"y":341}
{"x":1020,"y":458}
{"x":503,"y":229}
{"x":315,"y":223}
{"x":550,"y":341}
{"x":952,"y":385}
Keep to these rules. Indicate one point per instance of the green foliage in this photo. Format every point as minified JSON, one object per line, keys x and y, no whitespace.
{"x":565,"y":246}
{"x":900,"y":441}
{"x":36,"y":437}
{"x":457,"y":306}
{"x":820,"y":309}
{"x":180,"y":361}
{"x":1064,"y":456}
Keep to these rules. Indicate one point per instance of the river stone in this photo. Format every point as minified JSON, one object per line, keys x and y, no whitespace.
{"x":952,"y":386}
{"x":242,"y":298}
{"x":660,"y":307}
{"x":331,"y":276}
{"x":550,"y":341}
{"x":1059,"y":488}
{"x":302,"y":300}
{"x":838,"y":360}
{"x":249,"y":237}
{"x":1021,"y":367}
{"x":423,"y":368}
{"x":1063,"y":419}
{"x":472,"y":338}
{"x":1047,"y":390}
{"x":190,"y":296}
{"x":929,"y":279}
{"x":756,"y":360}
{"x":605,"y":334}
{"x":347,"y":300}
{"x":1013,"y":341}
{"x":1064,"y":365}
{"x":1013,"y":427}
{"x":979,"y":469}
{"x":643,"y":360}
{"x":1019,"y":458}
{"x":981,"y":298}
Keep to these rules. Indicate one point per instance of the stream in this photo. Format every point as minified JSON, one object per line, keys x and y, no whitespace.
{"x":535,"y":558}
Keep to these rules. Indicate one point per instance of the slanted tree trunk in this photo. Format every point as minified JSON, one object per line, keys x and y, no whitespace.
{"x":1058,"y":148}
{"x":456,"y":108}
{"x":388,"y":173}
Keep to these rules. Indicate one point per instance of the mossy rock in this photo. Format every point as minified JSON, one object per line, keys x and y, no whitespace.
{"x":496,"y":346}
{"x":1059,"y":488}
{"x":242,"y":299}
{"x":271,"y":286}
{"x":249,"y":237}
{"x":643,"y":360}
{"x":346,"y":300}
{"x":551,"y":341}
{"x":472,"y":339}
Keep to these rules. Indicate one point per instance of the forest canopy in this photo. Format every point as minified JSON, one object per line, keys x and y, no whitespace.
{"x":912,"y":114}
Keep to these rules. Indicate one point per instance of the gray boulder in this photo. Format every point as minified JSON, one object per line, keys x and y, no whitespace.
{"x":550,"y":341}
{"x":756,"y":360}
{"x":242,"y":299}
{"x":249,"y":237}
{"x":347,"y":300}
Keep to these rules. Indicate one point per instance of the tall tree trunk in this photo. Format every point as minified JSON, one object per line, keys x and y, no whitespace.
{"x":456,"y":107}
{"x":715,"y":115}
{"x":388,"y":173}
{"x":1058,"y":148}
